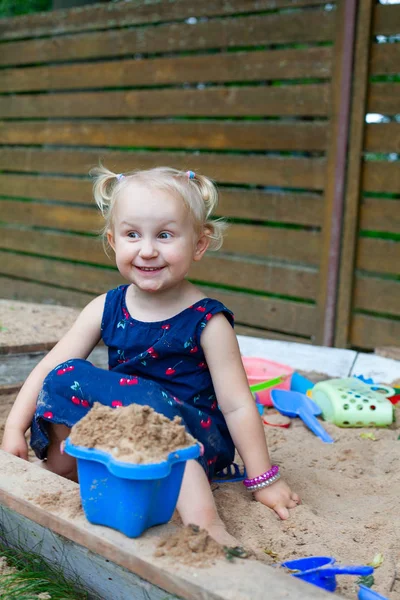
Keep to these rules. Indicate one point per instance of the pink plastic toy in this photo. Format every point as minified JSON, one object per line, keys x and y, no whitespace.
{"x":260,"y":369}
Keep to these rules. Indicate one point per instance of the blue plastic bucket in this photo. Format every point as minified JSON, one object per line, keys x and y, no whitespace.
{"x":321,"y":570}
{"x":126,"y":496}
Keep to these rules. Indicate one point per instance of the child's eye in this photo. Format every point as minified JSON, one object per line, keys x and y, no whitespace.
{"x":164,"y":235}
{"x":133,"y":234}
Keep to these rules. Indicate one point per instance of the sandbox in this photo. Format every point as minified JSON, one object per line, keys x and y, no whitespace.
{"x":349,"y":511}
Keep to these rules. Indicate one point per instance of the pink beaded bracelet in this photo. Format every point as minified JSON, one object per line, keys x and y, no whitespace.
{"x":264,"y":477}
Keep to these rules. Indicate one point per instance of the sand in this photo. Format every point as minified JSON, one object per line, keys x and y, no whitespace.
{"x":132,"y":434}
{"x":350,"y":489}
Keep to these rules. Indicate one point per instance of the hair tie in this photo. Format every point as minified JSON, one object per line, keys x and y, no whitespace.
{"x":120,"y":176}
{"x":191,"y":174}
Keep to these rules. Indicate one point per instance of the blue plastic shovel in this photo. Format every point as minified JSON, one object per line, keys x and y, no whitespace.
{"x":321,"y":570}
{"x":295,"y":404}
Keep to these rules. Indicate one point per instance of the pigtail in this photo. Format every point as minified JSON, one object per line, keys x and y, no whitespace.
{"x":103,"y":188}
{"x":214,"y":228}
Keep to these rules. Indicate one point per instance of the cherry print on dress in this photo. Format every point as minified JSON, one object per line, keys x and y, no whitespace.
{"x":128,"y":381}
{"x":172,"y":370}
{"x":78,"y":400}
{"x":65,"y":369}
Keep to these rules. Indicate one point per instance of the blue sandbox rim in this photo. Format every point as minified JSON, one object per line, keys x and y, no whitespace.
{"x":128,"y":470}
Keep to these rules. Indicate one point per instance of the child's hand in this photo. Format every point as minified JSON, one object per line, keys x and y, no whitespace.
{"x":279,"y":497}
{"x":14,"y":442}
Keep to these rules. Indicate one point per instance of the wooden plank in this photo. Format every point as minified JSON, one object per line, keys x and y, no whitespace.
{"x":353,"y":181}
{"x":385,"y":59}
{"x":282,"y":316}
{"x":243,"y":31}
{"x":386,"y":20}
{"x":101,"y":578}
{"x":377,"y":295}
{"x":257,"y":275}
{"x":382,"y":137}
{"x":378,"y":256}
{"x":303,"y":209}
{"x":266,"y":242}
{"x":346,"y":19}
{"x":69,"y":218}
{"x":36,"y":187}
{"x":20,"y":480}
{"x":28,"y":291}
{"x":133,"y":13}
{"x":383,"y":98}
{"x":381,"y":176}
{"x":82,"y":278}
{"x":380,"y":215}
{"x":298,"y":208}
{"x":281,"y":171}
{"x":16,"y":366}
{"x":225,"y":67}
{"x":290,"y":100}
{"x":51,"y":244}
{"x":368,"y":332}
{"x":199,"y":134}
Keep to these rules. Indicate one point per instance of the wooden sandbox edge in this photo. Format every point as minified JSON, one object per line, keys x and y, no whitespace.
{"x":131,"y":560}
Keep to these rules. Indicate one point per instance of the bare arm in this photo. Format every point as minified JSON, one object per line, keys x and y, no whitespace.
{"x":239,"y":409}
{"x":78,"y":342}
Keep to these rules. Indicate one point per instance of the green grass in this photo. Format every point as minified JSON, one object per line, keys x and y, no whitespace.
{"x":32,"y":575}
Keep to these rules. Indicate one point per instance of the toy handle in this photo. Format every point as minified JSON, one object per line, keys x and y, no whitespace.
{"x":264,"y":385}
{"x":346,"y":570}
{"x":377,"y":387}
{"x":315,"y":426}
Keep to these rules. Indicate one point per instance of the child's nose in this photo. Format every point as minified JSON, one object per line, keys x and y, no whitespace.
{"x":147,"y":249}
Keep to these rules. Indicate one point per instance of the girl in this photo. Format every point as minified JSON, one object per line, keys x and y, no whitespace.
{"x":169,"y":346}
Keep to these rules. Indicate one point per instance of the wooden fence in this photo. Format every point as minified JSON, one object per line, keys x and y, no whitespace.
{"x":251,"y":93}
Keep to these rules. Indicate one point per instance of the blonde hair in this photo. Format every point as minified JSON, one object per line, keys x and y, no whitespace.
{"x":199,"y":194}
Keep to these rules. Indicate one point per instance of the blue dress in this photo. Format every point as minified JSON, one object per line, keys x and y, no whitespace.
{"x":160,"y":364}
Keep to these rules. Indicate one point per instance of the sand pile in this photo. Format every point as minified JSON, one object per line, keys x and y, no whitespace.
{"x":135,"y":434}
{"x":190,"y":546}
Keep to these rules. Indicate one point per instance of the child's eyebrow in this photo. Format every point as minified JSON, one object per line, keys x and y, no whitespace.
{"x":160,"y":225}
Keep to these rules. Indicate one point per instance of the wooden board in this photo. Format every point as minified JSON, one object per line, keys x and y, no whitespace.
{"x":283,"y":171}
{"x":241,"y":31}
{"x":225,"y":67}
{"x":134,"y":13}
{"x":378,"y":255}
{"x":218,"y":101}
{"x":382,"y":137}
{"x":352,"y":191}
{"x":199,"y":134}
{"x":370,"y":331}
{"x":20,"y":480}
{"x":377,"y":295}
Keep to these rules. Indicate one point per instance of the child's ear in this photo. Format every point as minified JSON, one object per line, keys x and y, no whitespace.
{"x":110,"y":239}
{"x":201,"y":246}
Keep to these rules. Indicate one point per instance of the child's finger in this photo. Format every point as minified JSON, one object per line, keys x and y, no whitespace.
{"x":292,"y":504}
{"x":282,"y":512}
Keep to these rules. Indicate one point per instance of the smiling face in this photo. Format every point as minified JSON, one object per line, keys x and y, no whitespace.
{"x":154,"y":238}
